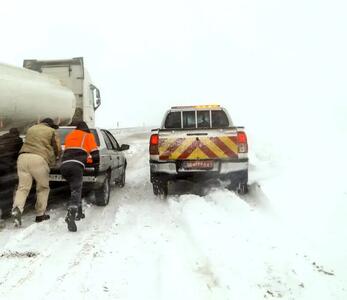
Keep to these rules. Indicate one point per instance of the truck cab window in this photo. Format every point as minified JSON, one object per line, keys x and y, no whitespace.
{"x":189,"y":120}
{"x":173,"y":120}
{"x":219,"y":119}
{"x":203,"y":119}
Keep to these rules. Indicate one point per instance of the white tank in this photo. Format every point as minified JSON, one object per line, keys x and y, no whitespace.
{"x":26,"y":97}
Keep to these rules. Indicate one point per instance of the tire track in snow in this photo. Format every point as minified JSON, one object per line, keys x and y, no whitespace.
{"x":60,"y":251}
{"x":71,"y":278}
{"x":244,"y":253}
{"x":146,"y":228}
{"x":198,"y":265}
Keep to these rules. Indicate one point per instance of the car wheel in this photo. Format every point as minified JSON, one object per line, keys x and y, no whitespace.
{"x":121,"y":181}
{"x":90,"y":196}
{"x":102,"y":194}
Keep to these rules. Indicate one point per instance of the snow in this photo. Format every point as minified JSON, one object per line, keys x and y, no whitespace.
{"x":286,"y":239}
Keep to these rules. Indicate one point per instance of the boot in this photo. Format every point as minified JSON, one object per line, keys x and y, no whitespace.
{"x":17,"y":217}
{"x":80,"y":215}
{"x":44,"y":217}
{"x":70,"y":219}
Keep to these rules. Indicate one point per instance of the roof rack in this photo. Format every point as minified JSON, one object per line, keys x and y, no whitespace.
{"x":208,"y":106}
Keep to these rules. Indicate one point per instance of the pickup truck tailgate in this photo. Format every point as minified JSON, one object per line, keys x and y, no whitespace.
{"x":189,"y":145}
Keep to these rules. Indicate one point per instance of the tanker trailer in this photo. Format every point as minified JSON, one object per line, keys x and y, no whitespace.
{"x":59,"y":89}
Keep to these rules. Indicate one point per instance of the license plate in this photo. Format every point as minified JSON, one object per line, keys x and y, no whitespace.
{"x":55,"y":177}
{"x":198,"y":165}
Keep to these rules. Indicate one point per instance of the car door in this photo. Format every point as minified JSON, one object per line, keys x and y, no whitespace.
{"x":119,"y":157}
{"x":111,"y":155}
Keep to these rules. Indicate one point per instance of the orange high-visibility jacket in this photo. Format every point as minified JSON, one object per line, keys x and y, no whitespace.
{"x":79,"y":145}
{"x":79,"y":139}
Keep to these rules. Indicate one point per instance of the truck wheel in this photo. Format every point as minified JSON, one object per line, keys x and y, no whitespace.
{"x":5,"y":213}
{"x":238,"y":182}
{"x":242,"y":189}
{"x":160,"y":188}
{"x":102,"y":194}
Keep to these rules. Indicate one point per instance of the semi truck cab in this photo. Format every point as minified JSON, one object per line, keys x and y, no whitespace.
{"x":73,"y":75}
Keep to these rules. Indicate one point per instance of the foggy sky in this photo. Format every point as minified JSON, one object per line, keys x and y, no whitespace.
{"x":145,"y":56}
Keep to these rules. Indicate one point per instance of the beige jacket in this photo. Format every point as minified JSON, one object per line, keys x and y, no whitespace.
{"x":42,"y":140}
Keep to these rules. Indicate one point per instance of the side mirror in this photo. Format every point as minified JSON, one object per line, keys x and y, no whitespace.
{"x":97,"y":97}
{"x":124,"y":147}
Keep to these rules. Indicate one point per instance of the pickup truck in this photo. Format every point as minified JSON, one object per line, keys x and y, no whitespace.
{"x":97,"y":178}
{"x":196,"y":142}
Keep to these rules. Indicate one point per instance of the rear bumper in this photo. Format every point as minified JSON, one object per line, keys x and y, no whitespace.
{"x":220,"y":168}
{"x":91,"y":177}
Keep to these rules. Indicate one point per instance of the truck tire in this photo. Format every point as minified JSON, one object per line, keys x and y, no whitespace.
{"x":160,"y":188}
{"x":6,"y":199}
{"x":242,"y":189}
{"x":102,"y":194}
{"x":5,"y":212}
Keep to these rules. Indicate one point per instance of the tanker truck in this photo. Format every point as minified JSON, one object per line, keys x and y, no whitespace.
{"x":58,"y":89}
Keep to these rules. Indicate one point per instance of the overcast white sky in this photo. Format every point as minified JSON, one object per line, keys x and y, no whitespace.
{"x":145,"y":56}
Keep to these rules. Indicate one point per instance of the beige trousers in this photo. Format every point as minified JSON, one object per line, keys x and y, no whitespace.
{"x":29,"y":167}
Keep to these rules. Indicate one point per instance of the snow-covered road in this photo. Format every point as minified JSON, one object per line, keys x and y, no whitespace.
{"x":200,"y":243}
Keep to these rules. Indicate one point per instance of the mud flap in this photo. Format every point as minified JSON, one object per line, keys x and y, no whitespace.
{"x":160,"y":187}
{"x":239,"y":182}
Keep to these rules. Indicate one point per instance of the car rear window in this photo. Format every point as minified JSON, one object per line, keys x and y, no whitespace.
{"x":63,"y":132}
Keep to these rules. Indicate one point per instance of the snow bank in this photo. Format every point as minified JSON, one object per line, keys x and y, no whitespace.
{"x":286,"y":239}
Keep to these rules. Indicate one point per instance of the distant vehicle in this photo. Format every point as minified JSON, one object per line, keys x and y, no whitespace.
{"x":197,"y":142}
{"x":57,"y":89}
{"x":99,"y":177}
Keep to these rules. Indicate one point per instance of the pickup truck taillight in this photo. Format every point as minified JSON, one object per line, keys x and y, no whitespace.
{"x":242,"y":142}
{"x":154,"y":144}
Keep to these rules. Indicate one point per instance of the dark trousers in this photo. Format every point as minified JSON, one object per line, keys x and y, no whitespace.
{"x":73,"y":173}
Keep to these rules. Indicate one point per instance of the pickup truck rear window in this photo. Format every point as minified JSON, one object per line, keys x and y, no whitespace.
{"x":219,"y":119}
{"x":189,"y":120}
{"x":203,"y":119}
{"x":173,"y":120}
{"x":63,"y":132}
{"x":197,"y":119}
